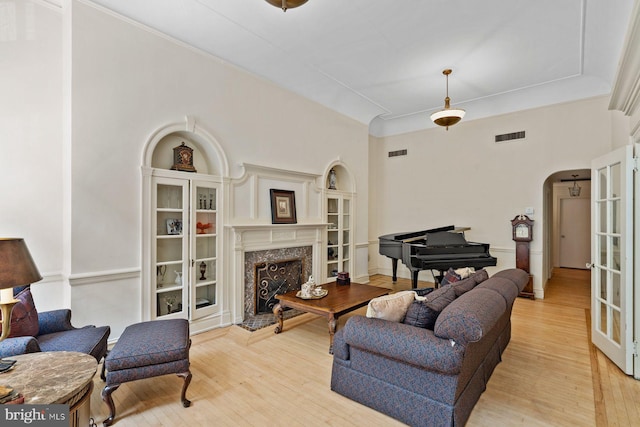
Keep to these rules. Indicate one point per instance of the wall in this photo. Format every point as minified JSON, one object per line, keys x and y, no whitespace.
{"x":462,"y":177}
{"x":126,"y":82}
{"x":31,"y":151}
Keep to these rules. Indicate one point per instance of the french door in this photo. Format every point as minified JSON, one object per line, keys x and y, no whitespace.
{"x":612,"y":256}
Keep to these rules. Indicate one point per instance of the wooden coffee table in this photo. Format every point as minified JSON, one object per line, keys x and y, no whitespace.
{"x":341,"y":299}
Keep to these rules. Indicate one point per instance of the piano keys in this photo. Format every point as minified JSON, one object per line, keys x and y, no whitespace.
{"x":434,"y":249}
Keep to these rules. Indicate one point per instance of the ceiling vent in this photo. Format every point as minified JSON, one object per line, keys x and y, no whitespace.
{"x":509,"y":136}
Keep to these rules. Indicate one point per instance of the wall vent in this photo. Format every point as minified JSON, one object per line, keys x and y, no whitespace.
{"x":398,"y":153}
{"x":509,"y":136}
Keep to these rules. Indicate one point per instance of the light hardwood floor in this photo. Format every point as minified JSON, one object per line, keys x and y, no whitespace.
{"x":550,"y":375}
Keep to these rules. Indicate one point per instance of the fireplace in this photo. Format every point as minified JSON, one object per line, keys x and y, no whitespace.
{"x":277,"y":277}
{"x":273,"y":271}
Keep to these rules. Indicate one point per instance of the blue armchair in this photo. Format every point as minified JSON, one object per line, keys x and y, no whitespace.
{"x":56,"y":333}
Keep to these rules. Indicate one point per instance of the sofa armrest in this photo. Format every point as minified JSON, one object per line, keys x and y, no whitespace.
{"x":54,"y":321}
{"x":18,"y":345}
{"x":405,"y":343}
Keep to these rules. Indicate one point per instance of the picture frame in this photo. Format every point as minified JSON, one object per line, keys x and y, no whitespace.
{"x":283,"y":206}
{"x":174,"y":226}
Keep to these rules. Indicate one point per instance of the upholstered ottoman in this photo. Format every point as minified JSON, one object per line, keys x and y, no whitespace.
{"x":146,"y":350}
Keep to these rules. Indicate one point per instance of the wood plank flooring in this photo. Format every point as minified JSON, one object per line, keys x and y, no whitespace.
{"x":550,"y":375}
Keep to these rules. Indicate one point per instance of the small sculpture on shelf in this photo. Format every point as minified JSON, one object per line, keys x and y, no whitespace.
{"x":203,"y":269}
{"x":202,"y":228}
{"x":332,"y":179}
{"x":178,"y":280}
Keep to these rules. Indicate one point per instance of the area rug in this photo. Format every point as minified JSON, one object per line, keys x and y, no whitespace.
{"x":259,"y":321}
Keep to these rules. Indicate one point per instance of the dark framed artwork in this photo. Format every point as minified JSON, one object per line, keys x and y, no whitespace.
{"x":283,"y":207}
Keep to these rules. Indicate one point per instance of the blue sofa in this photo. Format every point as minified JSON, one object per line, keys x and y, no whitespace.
{"x":426,"y":377}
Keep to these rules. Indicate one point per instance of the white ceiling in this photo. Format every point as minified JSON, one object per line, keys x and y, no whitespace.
{"x":380,"y":61}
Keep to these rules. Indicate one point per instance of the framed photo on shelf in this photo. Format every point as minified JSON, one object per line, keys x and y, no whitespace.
{"x":174,"y":226}
{"x":283,"y":207}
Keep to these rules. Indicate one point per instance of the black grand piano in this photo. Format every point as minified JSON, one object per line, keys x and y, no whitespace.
{"x":436,"y":249}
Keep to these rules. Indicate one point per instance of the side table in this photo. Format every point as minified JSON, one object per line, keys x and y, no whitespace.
{"x":64,"y":377}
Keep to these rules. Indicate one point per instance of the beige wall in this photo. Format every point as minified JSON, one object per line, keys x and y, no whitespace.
{"x":462,"y":177}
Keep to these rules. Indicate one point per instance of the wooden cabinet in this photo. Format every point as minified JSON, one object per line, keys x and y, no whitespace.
{"x":185,"y":246}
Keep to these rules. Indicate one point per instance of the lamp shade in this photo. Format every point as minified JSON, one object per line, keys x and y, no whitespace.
{"x":16,"y":265}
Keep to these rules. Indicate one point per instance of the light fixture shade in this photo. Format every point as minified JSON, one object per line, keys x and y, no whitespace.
{"x":286,"y":4}
{"x":16,"y":265}
{"x":447,"y":117}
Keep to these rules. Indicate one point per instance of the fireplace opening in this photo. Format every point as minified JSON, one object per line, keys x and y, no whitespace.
{"x":275,"y":277}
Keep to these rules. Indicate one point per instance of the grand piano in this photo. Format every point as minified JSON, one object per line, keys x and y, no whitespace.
{"x":435,"y":249}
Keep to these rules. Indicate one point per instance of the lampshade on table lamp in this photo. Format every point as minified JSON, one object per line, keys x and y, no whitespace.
{"x":16,"y":269}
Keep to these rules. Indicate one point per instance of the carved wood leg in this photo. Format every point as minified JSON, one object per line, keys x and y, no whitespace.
{"x":394,"y":267}
{"x":332,"y":330}
{"x":104,"y":367}
{"x":187,"y":380}
{"x":106,"y":397}
{"x":277,"y":311}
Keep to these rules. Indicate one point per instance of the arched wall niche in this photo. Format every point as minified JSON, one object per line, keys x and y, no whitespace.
{"x":208,"y":156}
{"x":344,"y":178}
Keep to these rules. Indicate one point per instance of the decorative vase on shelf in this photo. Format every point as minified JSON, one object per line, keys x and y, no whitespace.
{"x":178,"y":277}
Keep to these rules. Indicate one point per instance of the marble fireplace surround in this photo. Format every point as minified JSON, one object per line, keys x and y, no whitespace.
{"x":254,"y":244}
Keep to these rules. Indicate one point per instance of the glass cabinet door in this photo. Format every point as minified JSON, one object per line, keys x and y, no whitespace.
{"x":171,"y":246}
{"x":338,"y":235}
{"x":204,"y":249}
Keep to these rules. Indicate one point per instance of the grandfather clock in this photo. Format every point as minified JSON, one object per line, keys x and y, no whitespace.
{"x":522,"y":227}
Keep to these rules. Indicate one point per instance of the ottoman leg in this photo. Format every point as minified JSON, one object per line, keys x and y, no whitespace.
{"x":187,"y":380}
{"x":106,"y":397}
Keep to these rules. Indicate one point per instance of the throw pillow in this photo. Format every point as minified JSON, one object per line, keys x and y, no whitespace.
{"x":24,"y":317}
{"x":391,"y":307}
{"x":464,"y":272}
{"x":440,"y":298}
{"x":464,"y":285}
{"x":423,"y":291}
{"x":425,"y":313}
{"x":420,"y":315}
{"x":449,"y":277}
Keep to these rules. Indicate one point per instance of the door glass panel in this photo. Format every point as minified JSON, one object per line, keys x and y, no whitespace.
{"x":603,"y":319}
{"x":169,"y":197}
{"x":615,"y":289}
{"x":616,"y":216}
{"x":602,"y":249}
{"x":615,"y":181}
{"x":615,"y":253}
{"x":169,"y":250}
{"x":602,"y":216}
{"x":603,"y":284}
{"x":603,"y":183}
{"x":615,"y":326}
{"x":205,"y":296}
{"x":168,"y":302}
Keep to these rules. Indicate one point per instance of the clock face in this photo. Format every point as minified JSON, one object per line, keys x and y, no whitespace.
{"x":522,"y":231}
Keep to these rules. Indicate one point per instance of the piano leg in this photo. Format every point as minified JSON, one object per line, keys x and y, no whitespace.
{"x":414,"y":279}
{"x":394,"y":267}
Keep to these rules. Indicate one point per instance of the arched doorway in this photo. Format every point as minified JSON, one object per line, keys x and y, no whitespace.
{"x":568,"y":219}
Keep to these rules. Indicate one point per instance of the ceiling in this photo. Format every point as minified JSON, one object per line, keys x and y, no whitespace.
{"x":380,"y":62}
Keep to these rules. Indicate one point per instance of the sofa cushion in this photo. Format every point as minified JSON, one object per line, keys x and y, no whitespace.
{"x":24,"y":317}
{"x":480,"y":276}
{"x":463,"y":286}
{"x":471,"y":316}
{"x":504,"y":287}
{"x":391,"y":307}
{"x":423,"y":314}
{"x":519,"y":277}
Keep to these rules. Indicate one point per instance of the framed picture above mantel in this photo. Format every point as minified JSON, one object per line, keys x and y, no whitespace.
{"x":283,"y":206}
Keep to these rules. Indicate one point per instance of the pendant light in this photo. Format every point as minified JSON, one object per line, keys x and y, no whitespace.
{"x":286,"y":4}
{"x":448,"y":116}
{"x":575,"y":190}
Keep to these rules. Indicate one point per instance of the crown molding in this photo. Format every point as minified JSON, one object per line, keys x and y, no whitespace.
{"x":625,"y":96}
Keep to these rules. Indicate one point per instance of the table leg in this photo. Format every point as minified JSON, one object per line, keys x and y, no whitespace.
{"x":277,"y":311}
{"x":333,"y":322}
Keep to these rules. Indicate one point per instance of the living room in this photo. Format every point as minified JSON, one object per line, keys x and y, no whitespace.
{"x":95,"y":88}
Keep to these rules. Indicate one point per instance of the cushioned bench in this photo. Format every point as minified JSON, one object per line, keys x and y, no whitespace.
{"x":145,"y":350}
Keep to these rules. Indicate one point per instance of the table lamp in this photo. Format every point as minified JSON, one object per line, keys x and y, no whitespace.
{"x":16,"y":269}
